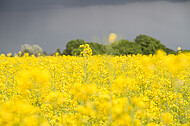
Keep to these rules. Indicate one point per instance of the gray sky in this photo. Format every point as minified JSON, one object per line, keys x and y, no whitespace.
{"x":52,"y":23}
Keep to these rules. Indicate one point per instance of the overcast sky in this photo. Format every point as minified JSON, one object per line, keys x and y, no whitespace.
{"x":52,"y":23}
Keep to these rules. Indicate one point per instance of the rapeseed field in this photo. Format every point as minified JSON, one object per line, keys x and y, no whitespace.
{"x":132,"y":90}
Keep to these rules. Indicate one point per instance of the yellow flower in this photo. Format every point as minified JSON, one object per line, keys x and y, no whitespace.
{"x":9,"y":54}
{"x":167,"y":118}
{"x":138,"y":102}
{"x":112,"y":37}
{"x":95,"y":90}
{"x":2,"y":55}
{"x":179,"y":48}
{"x":87,"y":51}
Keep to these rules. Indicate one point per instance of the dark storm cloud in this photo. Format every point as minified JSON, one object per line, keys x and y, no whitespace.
{"x":29,"y":5}
{"x":52,"y":23}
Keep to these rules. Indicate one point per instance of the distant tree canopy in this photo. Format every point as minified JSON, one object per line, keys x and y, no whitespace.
{"x":148,"y":44}
{"x":142,"y":44}
{"x":185,"y":51}
{"x":170,"y":51}
{"x":72,"y":47}
{"x":58,"y":51}
{"x":125,"y":47}
{"x":32,"y":49}
{"x":96,"y":48}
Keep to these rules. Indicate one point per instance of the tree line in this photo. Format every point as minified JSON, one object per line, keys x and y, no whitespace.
{"x":142,"y":44}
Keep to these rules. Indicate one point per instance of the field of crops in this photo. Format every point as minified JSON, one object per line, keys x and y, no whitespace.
{"x":95,"y":90}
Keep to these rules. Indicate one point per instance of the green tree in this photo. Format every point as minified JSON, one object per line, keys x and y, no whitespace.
{"x":185,"y":51}
{"x":76,"y":52}
{"x":71,"y":45}
{"x":143,"y":44}
{"x":59,"y":51}
{"x":125,"y":47}
{"x":96,"y":48}
{"x":170,"y":51}
{"x":32,"y":49}
{"x":148,"y":44}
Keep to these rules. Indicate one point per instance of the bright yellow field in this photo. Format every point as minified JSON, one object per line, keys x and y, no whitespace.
{"x":95,"y":90}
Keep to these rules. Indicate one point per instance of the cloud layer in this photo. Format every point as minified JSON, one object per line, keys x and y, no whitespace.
{"x":30,"y":5}
{"x":53,"y":28}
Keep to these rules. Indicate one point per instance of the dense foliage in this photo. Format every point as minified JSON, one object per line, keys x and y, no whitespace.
{"x":131,"y":90}
{"x":32,"y":50}
{"x":148,"y":44}
{"x":143,"y":44}
{"x":125,"y":47}
{"x":72,"y":47}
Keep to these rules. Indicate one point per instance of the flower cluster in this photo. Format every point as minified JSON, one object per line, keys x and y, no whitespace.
{"x":133,"y":90}
{"x":87,"y":51}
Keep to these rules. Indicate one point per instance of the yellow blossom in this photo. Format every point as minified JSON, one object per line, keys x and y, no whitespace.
{"x":112,"y":37}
